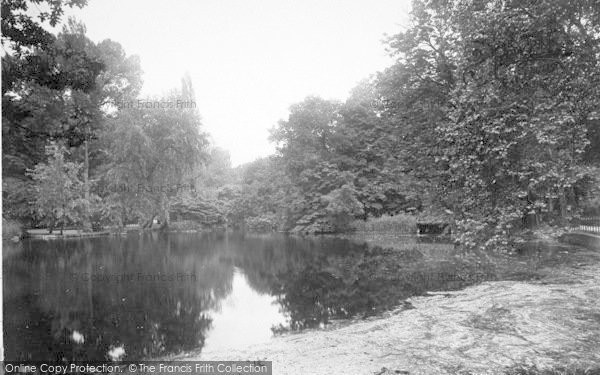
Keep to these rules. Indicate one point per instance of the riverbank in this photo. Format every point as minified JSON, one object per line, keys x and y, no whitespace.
{"x":44,"y":234}
{"x":580,"y":238}
{"x":490,"y":328}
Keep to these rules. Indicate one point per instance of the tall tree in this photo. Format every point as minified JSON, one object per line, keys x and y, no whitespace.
{"x":306,"y":145}
{"x":56,"y":88}
{"x":491,"y":109}
{"x":152,"y":151}
{"x":45,"y":97}
{"x":416,"y":96}
{"x":518,"y":125}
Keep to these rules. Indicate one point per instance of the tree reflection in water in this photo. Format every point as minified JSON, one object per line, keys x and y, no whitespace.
{"x":63,"y":300}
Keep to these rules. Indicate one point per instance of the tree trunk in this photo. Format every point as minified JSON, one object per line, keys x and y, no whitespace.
{"x":51,"y":226}
{"x":163,"y":225}
{"x":563,"y":206}
{"x":86,"y":172}
{"x":167,"y":216}
{"x":148,"y":224}
{"x":550,"y":208}
{"x":62,"y":222}
{"x":87,"y":225}
{"x":165,"y":219}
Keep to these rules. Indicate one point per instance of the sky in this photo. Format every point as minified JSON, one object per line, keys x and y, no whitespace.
{"x":249,"y":59}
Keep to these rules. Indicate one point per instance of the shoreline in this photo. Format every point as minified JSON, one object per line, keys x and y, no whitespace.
{"x":489,"y":328}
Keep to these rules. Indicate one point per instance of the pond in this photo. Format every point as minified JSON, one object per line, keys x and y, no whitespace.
{"x":157,"y":294}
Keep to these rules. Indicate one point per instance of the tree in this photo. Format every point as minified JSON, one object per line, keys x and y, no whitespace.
{"x":216,"y":172}
{"x":415,"y":97}
{"x":484,"y":115}
{"x":367,"y":146}
{"x":343,"y":206}
{"x":491,"y":112}
{"x":517,"y":128}
{"x":258,"y":194}
{"x":305,"y":138}
{"x":58,"y":190}
{"x":306,"y":145}
{"x":21,"y":31}
{"x":151,"y":151}
{"x":61,"y":87}
{"x":46,"y":94}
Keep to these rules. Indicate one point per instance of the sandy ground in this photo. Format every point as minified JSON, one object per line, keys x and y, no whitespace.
{"x":483,"y":329}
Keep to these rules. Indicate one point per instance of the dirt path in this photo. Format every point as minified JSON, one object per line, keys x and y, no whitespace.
{"x":483,"y":329}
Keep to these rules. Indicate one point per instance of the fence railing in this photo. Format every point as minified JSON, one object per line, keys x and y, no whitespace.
{"x":587,"y":224}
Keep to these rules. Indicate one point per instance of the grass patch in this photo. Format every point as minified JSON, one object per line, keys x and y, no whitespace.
{"x":400,"y":223}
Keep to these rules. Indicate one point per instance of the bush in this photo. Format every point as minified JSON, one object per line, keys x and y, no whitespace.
{"x":342,"y":207}
{"x":10,"y":229}
{"x":399,"y":223}
{"x":260,"y":224}
{"x":16,"y":196}
{"x":591,"y":207}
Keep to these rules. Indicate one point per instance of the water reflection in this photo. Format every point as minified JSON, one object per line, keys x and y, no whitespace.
{"x":152,"y":295}
{"x":244,"y":317}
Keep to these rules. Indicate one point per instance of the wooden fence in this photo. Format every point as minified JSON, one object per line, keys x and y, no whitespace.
{"x":587,"y":224}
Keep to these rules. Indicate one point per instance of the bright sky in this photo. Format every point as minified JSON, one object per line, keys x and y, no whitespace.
{"x":249,"y":59}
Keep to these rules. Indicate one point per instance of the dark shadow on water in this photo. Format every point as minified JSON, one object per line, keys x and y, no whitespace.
{"x":154,"y":295}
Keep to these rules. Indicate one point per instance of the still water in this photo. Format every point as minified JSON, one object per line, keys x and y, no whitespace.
{"x":155,"y":295}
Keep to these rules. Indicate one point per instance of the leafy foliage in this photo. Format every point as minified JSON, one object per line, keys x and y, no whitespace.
{"x":55,"y":89}
{"x":58,"y":190}
{"x":151,"y":151}
{"x":489,"y":117}
{"x":343,"y":206}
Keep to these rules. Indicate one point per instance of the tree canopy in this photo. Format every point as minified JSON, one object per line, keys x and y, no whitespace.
{"x":488,"y":118}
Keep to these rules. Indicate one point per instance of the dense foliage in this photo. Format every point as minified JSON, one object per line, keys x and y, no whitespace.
{"x":489,"y":118}
{"x":58,"y":190}
{"x":83,"y":99}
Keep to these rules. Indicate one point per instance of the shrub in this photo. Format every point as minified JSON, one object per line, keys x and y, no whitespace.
{"x":10,"y":229}
{"x":342,"y":207}
{"x":399,"y":223}
{"x":260,"y":224}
